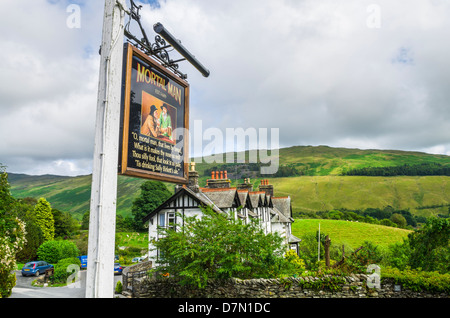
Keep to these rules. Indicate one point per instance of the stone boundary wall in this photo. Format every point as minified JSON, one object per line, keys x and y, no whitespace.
{"x":354,"y":286}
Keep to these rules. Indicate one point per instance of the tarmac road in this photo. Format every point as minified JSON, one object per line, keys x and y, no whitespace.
{"x":24,"y":289}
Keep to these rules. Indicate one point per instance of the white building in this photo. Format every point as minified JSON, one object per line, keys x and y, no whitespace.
{"x":274,"y":213}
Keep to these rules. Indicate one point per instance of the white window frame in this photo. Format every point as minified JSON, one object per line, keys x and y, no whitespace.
{"x":167,"y":220}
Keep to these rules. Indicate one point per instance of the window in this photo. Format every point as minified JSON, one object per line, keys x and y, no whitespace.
{"x":171,"y":220}
{"x":167,"y":219}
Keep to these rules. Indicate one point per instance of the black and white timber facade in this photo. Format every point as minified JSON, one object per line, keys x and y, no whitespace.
{"x":274,"y":213}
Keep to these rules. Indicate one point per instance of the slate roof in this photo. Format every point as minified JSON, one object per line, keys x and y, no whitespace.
{"x":283,"y":204}
{"x":255,"y":197}
{"x":293,"y":239}
{"x":279,"y":217}
{"x":223,"y":198}
{"x":199,"y":197}
{"x":244,"y":197}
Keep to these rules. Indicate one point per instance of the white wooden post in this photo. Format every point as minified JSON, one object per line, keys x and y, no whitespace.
{"x":102,"y":222}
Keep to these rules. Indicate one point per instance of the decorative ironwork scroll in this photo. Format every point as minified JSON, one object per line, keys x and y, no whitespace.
{"x":159,"y":49}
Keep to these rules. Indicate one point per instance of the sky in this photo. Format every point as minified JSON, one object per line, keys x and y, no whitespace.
{"x":361,"y":74}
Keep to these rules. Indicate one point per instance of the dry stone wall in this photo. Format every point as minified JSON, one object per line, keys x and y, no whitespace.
{"x":354,"y":286}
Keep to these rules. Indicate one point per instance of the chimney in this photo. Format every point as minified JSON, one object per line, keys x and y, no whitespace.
{"x":220,"y":181}
{"x":266,"y":187}
{"x":246,"y":185}
{"x":193,"y":178}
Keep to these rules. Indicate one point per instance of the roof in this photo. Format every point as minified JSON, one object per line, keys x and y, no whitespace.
{"x":293,"y":239}
{"x":223,"y":198}
{"x":283,"y":204}
{"x":255,"y":198}
{"x":279,"y":217}
{"x":199,"y":197}
{"x":245,"y":199}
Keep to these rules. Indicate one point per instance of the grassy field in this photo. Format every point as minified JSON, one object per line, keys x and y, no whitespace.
{"x":324,"y":193}
{"x":351,"y":234}
{"x":132,"y":239}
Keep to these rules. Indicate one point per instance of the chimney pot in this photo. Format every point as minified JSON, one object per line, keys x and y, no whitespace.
{"x":226,"y":174}
{"x":221,"y":174}
{"x":212,"y":175}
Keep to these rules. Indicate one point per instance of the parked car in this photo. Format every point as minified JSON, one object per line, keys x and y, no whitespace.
{"x":117,"y":268}
{"x":83,"y":260}
{"x":35,"y":268}
{"x":138,"y":259}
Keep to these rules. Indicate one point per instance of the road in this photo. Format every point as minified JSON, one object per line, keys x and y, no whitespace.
{"x":24,"y":289}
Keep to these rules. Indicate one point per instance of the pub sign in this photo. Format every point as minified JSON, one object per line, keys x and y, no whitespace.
{"x":154,"y":120}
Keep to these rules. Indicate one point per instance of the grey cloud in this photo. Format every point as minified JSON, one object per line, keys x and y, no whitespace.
{"x":313,"y":69}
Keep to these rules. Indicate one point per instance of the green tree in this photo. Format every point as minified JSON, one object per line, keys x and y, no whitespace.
{"x":153,"y":193}
{"x":85,"y":221}
{"x":218,"y":246}
{"x":23,"y":209}
{"x":65,"y":224}
{"x":398,"y":219}
{"x":430,"y":246}
{"x":44,"y":218}
{"x":124,"y":224}
{"x":6,"y":199}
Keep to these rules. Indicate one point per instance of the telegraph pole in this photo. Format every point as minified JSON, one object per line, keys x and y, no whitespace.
{"x":102,"y":222}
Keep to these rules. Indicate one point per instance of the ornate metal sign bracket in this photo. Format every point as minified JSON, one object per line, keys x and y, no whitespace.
{"x":160,"y":49}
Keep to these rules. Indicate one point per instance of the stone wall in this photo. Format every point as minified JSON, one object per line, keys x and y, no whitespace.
{"x":354,"y":286}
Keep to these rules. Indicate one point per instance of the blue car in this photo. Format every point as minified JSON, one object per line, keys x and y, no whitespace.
{"x":35,"y":268}
{"x":83,"y":260}
{"x":117,"y":268}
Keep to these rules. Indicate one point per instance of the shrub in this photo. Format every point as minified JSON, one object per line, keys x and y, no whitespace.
{"x":359,"y":260}
{"x":417,"y":280}
{"x":119,"y":287}
{"x":12,"y":239}
{"x":63,"y":269}
{"x":53,"y":251}
{"x":297,"y":264}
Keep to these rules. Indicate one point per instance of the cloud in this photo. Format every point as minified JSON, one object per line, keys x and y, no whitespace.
{"x":364,"y":74}
{"x":318,"y":71}
{"x":48,"y":87}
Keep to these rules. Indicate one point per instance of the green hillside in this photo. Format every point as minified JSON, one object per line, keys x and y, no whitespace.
{"x":320,"y":187}
{"x":72,"y":194}
{"x":425,"y":196}
{"x":352,"y":234}
{"x":324,"y":160}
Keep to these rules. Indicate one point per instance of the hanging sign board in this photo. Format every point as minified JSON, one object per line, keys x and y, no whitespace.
{"x":155,"y":119}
